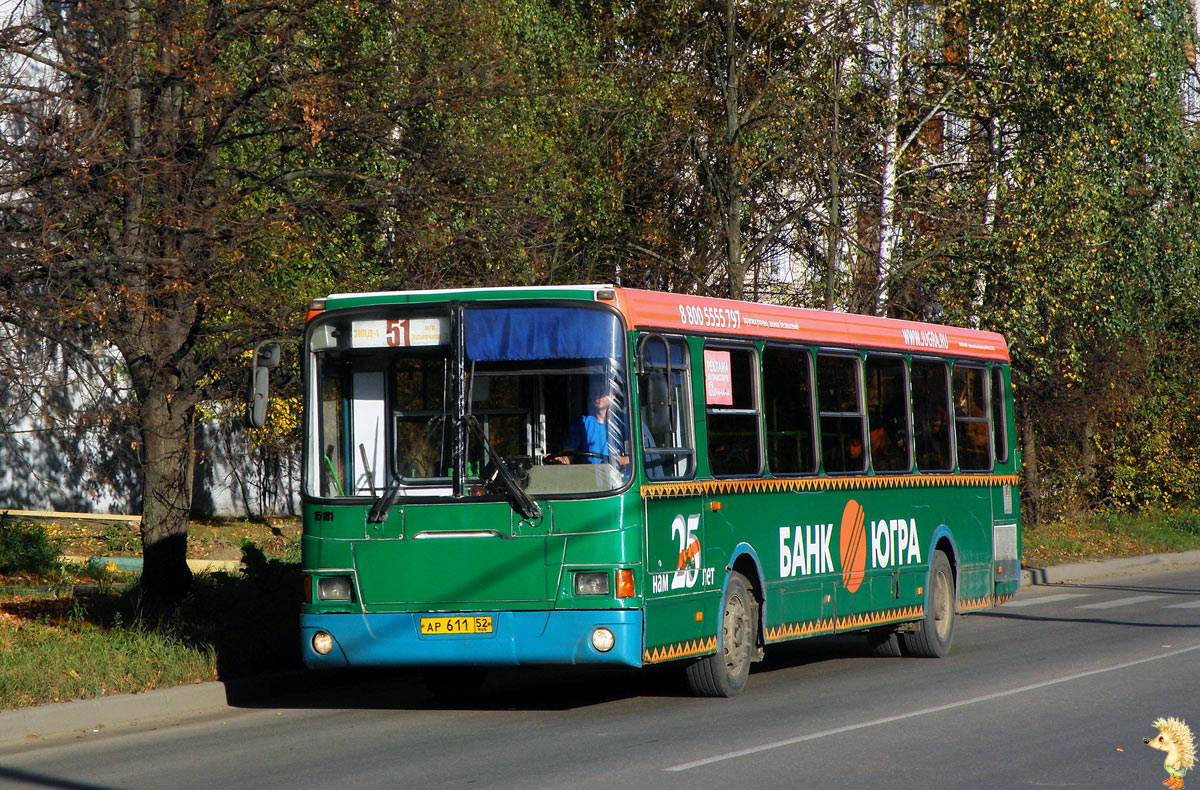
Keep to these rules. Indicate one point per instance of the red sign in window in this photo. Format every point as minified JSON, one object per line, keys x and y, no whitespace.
{"x":718,"y":380}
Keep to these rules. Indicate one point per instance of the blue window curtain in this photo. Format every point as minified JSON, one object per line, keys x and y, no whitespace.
{"x":515,"y":334}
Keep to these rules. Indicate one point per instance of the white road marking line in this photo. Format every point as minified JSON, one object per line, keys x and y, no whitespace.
{"x":766,"y":747}
{"x":1188,"y":605}
{"x":1120,"y":602}
{"x":1044,"y":599}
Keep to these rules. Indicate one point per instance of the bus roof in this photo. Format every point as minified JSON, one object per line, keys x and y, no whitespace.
{"x":730,"y":318}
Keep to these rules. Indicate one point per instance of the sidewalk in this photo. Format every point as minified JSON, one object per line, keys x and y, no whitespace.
{"x":162,"y":706}
{"x":174,"y":704}
{"x":1082,"y":571}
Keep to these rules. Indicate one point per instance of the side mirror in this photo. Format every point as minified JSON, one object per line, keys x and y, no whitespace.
{"x":655,"y":396}
{"x":266,"y":356}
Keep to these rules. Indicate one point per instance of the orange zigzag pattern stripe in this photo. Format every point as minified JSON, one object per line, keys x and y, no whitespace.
{"x":679,"y":650}
{"x":777,"y":485}
{"x":814,"y":627}
{"x":852,"y":622}
{"x":971,"y":604}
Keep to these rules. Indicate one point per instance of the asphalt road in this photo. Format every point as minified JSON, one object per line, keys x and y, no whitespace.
{"x":1057,"y":688}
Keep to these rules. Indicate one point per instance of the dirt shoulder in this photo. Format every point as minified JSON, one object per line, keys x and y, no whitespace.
{"x":218,"y":539}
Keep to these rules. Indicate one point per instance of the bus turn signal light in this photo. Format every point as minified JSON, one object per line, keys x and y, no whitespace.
{"x":625,"y":583}
{"x":315,"y":308}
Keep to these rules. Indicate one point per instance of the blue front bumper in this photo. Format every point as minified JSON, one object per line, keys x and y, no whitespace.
{"x":517,"y":638}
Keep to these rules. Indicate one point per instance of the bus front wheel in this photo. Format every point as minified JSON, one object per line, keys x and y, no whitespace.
{"x":935,"y":631}
{"x":724,"y":673}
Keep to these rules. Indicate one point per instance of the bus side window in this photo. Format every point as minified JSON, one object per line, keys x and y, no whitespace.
{"x":931,"y":415}
{"x":999,"y":416}
{"x":730,"y":392}
{"x":887,"y":413}
{"x":787,"y":403}
{"x":331,"y":416}
{"x":839,"y":378}
{"x":971,"y":418}
{"x":668,"y":451}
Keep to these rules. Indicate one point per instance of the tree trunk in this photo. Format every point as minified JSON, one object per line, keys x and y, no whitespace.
{"x":889,"y":226}
{"x":733,"y":177}
{"x":167,"y":428}
{"x":733,"y":238}
{"x":1029,"y":457}
{"x":1087,"y":450}
{"x":834,"y":237}
{"x":992,"y":127}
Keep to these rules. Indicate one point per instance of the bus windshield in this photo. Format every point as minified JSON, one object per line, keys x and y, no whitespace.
{"x":398,"y":403}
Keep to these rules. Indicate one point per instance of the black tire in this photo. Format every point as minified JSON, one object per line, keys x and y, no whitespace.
{"x":724,"y":673}
{"x":935,"y":631}
{"x":884,"y":642}
{"x":453,"y":685}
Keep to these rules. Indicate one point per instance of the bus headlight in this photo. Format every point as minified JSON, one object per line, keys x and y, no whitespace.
{"x":603,"y":640}
{"x":322,"y":643}
{"x":591,"y":583}
{"x":334,"y":588}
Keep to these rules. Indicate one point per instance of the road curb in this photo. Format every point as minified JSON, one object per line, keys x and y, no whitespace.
{"x":82,"y":717}
{"x":134,"y":564}
{"x":1094,"y":569}
{"x":117,"y":710}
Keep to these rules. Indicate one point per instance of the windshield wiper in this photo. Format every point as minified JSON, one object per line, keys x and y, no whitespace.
{"x":379,"y":510}
{"x":497,"y":471}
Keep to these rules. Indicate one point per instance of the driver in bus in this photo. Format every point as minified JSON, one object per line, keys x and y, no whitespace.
{"x":598,"y":436}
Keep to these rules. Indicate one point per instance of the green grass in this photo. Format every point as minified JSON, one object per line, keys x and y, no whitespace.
{"x":50,"y":660}
{"x":56,"y":646}
{"x":1107,"y":535}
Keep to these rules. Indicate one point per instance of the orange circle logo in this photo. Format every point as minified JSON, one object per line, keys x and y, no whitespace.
{"x":853,"y":540}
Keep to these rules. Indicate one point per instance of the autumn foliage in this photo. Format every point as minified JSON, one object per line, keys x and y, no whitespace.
{"x":179,"y":178}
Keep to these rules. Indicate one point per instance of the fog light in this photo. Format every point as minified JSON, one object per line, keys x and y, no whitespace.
{"x":322,"y":643}
{"x":334,"y":588}
{"x":591,"y":583}
{"x":603,"y":640}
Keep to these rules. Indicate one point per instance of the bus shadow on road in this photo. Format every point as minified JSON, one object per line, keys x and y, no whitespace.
{"x":505,"y":688}
{"x":550,"y":689}
{"x":1038,"y":618}
{"x":814,"y":650}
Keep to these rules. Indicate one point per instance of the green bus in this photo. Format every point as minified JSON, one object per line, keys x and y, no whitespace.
{"x":598,"y":475}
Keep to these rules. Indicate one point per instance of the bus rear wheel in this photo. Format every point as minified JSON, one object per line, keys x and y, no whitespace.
{"x":884,"y":642}
{"x":935,"y":631}
{"x":724,"y":673}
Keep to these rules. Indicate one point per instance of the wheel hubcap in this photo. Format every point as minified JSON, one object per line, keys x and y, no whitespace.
{"x":734,"y":634}
{"x":941,"y":605}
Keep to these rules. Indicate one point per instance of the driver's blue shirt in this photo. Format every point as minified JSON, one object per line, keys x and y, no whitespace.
{"x":591,"y":436}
